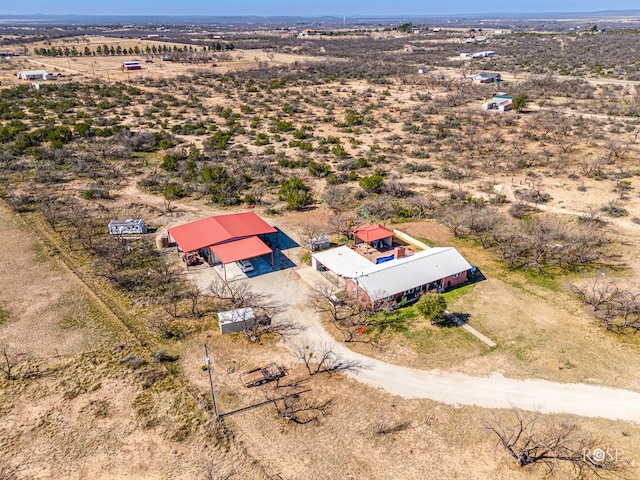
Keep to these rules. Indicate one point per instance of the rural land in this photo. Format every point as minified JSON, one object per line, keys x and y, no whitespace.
{"x":329,"y":248}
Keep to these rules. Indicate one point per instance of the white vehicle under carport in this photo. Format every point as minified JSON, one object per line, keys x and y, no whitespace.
{"x":245,"y":265}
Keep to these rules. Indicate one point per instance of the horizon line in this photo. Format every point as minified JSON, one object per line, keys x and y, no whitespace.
{"x":336,"y":15}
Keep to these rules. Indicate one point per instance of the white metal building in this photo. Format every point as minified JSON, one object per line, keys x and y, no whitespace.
{"x":33,"y":75}
{"x":127,"y":227}
{"x":238,"y":320}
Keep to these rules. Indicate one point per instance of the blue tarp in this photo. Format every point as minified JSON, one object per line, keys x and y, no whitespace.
{"x":384,"y":259}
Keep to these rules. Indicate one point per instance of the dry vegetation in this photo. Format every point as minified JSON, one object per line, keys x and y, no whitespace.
{"x":101,"y":341}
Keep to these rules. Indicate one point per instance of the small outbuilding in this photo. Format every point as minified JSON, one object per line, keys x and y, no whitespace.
{"x":487,"y":77}
{"x":500,"y":102}
{"x":234,"y":321}
{"x":376,"y":235}
{"x":133,"y":65}
{"x":321,"y":242}
{"x":34,"y":75}
{"x":127,"y":227}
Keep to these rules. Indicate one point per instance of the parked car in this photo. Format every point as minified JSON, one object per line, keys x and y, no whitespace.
{"x":245,"y":266}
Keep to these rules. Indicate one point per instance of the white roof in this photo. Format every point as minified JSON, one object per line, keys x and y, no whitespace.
{"x":396,"y":276}
{"x":33,"y":72}
{"x":235,"y":316}
{"x":342,"y":260}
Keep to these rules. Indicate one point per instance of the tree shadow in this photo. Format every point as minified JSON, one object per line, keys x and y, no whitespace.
{"x":454,"y":319}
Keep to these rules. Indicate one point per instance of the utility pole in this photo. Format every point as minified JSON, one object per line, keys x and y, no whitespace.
{"x":213,"y":388}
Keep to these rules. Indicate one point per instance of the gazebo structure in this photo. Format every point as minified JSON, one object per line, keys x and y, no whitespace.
{"x":376,"y":235}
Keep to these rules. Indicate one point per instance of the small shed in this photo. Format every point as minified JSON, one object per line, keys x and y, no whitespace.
{"x":33,"y":75}
{"x":321,"y":242}
{"x":127,"y":227}
{"x":238,"y":320}
{"x":133,"y":65}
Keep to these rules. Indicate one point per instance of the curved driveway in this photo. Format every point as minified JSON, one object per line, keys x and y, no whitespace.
{"x":453,"y":388}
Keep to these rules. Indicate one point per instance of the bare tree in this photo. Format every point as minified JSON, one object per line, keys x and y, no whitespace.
{"x":9,"y":360}
{"x":342,"y":224}
{"x":559,"y":449}
{"x":337,"y":197}
{"x":343,"y":311}
{"x":311,"y":230}
{"x":616,"y":307}
{"x":167,"y":327}
{"x":316,"y":358}
{"x":240,"y":295}
{"x":291,"y":404}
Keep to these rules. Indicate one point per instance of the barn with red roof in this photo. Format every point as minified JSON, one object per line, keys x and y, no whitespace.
{"x":224,"y":239}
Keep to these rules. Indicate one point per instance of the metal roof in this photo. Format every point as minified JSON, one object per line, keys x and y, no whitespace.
{"x":372,"y":233}
{"x":240,"y":249}
{"x":342,"y":260}
{"x":233,"y":316}
{"x":219,"y":229}
{"x":396,"y":276}
{"x":32,"y":72}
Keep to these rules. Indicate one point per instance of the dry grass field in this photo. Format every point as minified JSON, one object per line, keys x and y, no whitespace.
{"x":176,"y":142}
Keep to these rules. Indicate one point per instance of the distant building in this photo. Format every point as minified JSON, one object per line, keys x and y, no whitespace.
{"x":487,"y":53}
{"x":133,"y":65}
{"x":307,"y":33}
{"x":34,"y":75}
{"x":500,"y":101}
{"x":486,"y":77}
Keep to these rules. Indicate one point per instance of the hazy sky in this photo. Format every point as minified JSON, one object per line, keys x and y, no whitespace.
{"x":302,"y":7}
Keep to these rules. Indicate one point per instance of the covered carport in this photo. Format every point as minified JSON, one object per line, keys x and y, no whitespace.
{"x":240,"y":229}
{"x":243,"y":249}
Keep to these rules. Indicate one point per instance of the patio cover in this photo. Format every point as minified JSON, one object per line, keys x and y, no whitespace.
{"x":342,"y":260}
{"x":218,"y":229}
{"x":240,"y":250}
{"x":372,"y":233}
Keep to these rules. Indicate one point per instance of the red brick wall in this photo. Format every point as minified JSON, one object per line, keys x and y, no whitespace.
{"x":356,"y":292}
{"x":454,"y":281}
